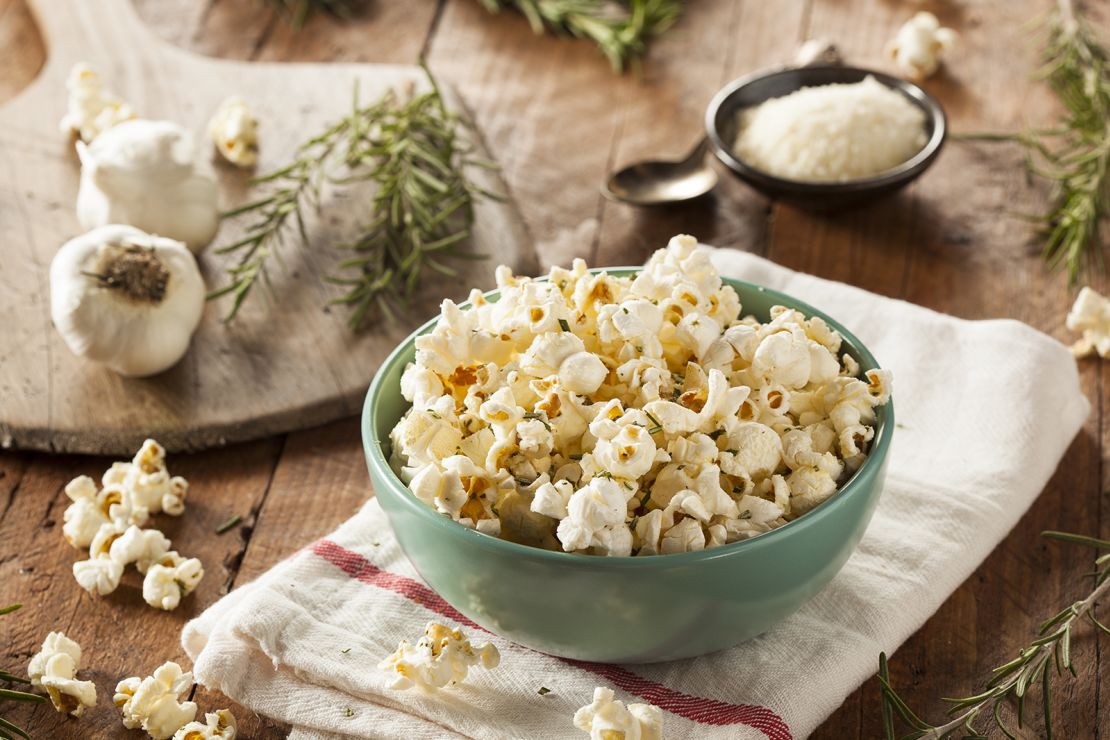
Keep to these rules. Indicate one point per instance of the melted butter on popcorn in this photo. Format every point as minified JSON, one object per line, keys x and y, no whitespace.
{"x":618,"y":416}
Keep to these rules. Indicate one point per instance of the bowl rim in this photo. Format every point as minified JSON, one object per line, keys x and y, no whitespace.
{"x":896,"y":175}
{"x":853,"y":487}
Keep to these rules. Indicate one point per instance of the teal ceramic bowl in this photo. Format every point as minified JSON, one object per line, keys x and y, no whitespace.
{"x":631,"y":609}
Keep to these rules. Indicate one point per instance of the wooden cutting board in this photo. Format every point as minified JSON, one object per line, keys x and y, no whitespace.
{"x":288,"y":361}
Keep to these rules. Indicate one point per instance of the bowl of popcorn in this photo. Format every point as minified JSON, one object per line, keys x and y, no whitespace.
{"x":630,"y":464}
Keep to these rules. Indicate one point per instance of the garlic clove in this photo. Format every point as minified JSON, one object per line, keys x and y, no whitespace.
{"x":142,"y":173}
{"x":127,"y":299}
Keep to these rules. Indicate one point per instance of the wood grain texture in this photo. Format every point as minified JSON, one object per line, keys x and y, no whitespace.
{"x":288,"y":362}
{"x":557,"y":118}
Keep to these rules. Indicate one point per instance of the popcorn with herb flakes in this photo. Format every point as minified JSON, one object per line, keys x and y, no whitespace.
{"x":441,"y":658}
{"x":608,"y":719}
{"x":54,"y":668}
{"x":219,"y":725}
{"x":152,"y":704}
{"x":630,"y":416}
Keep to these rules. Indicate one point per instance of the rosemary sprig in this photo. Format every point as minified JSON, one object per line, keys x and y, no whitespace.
{"x":422,"y":205}
{"x":296,"y":12}
{"x":620,"y":29}
{"x":1074,"y":156}
{"x":8,"y":729}
{"x":408,"y":147}
{"x":1011,"y":683}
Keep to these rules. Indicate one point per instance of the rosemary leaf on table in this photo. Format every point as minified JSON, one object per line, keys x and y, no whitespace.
{"x":9,"y":729}
{"x":621,"y":30}
{"x":296,"y":12}
{"x":405,"y":145}
{"x":1012,"y":684}
{"x":1075,"y":155}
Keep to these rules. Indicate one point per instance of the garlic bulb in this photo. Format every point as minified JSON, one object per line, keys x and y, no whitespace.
{"x":125,"y":298}
{"x":141,"y":173}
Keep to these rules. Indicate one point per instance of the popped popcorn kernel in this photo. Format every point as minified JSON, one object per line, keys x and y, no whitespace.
{"x":152,"y":704}
{"x":441,"y":658}
{"x":54,"y":668}
{"x":608,"y":719}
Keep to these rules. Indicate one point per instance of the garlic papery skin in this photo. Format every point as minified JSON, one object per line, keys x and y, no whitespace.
{"x":141,"y":173}
{"x":126,"y":299}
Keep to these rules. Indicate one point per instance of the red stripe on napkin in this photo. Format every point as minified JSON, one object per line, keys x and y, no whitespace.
{"x":703,"y":711}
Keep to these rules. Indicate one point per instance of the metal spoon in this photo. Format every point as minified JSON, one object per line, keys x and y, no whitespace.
{"x":653,"y":183}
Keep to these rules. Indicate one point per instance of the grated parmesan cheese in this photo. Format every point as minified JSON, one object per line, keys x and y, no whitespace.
{"x":832,"y":133}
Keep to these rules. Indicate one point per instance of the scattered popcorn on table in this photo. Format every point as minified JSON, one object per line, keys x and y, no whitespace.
{"x":109,"y":522}
{"x":54,"y":668}
{"x":917,"y":48}
{"x":1090,"y":315}
{"x":606,"y":719}
{"x":441,"y":658}
{"x":151,"y":703}
{"x":90,"y":109}
{"x":234,"y":131}
{"x":219,"y":725}
{"x":630,"y":416}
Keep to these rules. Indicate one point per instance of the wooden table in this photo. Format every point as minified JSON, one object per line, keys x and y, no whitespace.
{"x":557,"y":119}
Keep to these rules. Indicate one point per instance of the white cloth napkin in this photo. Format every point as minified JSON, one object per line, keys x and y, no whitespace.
{"x":985,"y":411}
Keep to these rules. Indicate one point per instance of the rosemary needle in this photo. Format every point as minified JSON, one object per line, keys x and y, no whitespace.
{"x":621,"y":30}
{"x":230,"y":523}
{"x":9,"y":729}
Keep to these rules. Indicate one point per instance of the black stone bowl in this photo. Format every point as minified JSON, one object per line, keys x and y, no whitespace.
{"x":722,"y":121}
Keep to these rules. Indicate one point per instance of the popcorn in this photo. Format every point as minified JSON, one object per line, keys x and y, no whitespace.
{"x":595,"y":518}
{"x":54,"y":668}
{"x":99,"y":575}
{"x":220,"y":725}
{"x":441,"y":658}
{"x":91,"y":109}
{"x":917,"y":48}
{"x":170,"y":578}
{"x":1090,"y":314}
{"x":234,"y":132}
{"x":606,"y":719}
{"x":151,"y":703}
{"x":615,"y":416}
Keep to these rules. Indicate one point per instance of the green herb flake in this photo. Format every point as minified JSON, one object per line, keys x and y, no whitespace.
{"x":543,"y":691}
{"x":657,"y":428}
{"x":576,"y":456}
{"x":564,"y":325}
{"x":344,"y":652}
{"x":229,"y":524}
{"x":745,"y":514}
{"x":348,"y":712}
